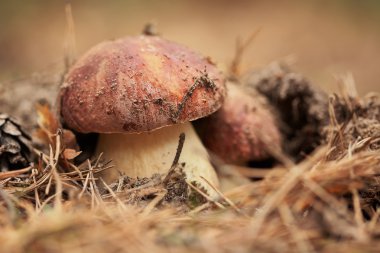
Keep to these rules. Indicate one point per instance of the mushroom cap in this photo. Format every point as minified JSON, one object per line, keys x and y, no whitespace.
{"x":242,"y":129}
{"x":137,"y":84}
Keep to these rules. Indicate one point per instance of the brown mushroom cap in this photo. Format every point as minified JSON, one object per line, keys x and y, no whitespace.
{"x":241,"y":130}
{"x":139,"y":84}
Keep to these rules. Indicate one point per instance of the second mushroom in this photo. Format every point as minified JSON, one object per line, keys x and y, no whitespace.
{"x":243,"y":130}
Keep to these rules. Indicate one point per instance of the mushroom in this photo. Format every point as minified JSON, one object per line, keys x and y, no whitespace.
{"x":243,"y":130}
{"x":140,"y":93}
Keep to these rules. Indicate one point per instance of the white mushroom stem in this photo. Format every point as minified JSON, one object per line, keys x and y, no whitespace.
{"x":142,"y":155}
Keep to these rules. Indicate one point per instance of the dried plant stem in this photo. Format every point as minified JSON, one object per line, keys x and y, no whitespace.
{"x":181,"y":141}
{"x":121,"y":204}
{"x":15,"y":173}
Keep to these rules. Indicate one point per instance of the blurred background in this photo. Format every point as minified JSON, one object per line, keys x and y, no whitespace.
{"x":327,"y":38}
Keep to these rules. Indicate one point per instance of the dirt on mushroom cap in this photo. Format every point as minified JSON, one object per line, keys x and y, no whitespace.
{"x":139,"y":84}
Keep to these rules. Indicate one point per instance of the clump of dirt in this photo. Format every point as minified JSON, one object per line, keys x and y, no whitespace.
{"x":302,"y":108}
{"x":173,"y":189}
{"x":357,"y":123}
{"x":177,"y":188}
{"x":355,"y":128}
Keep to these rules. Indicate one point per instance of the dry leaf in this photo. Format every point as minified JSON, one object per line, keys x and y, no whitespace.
{"x":47,"y":123}
{"x":70,"y":154}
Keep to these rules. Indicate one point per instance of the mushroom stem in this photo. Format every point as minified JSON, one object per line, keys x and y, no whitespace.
{"x":144,"y":154}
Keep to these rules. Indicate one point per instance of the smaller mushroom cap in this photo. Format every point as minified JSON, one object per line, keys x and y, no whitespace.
{"x":242,"y":129}
{"x":139,"y":84}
